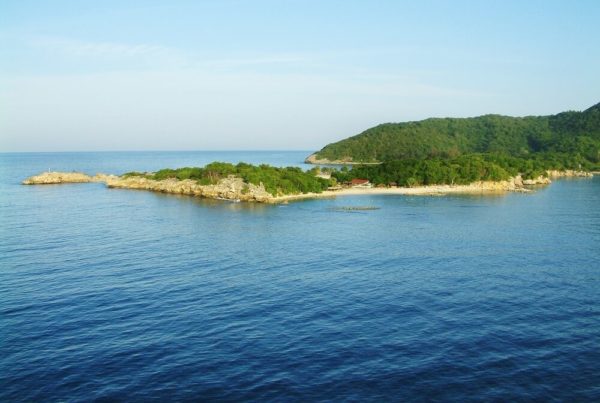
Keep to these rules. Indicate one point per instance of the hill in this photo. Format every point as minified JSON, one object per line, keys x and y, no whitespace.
{"x":573,"y":133}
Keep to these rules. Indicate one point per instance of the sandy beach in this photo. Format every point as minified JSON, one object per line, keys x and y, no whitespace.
{"x":474,"y":188}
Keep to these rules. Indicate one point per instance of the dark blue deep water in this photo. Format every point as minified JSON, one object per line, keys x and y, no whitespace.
{"x":129,"y":295}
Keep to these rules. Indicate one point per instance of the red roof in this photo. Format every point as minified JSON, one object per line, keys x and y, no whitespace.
{"x":359,"y":181}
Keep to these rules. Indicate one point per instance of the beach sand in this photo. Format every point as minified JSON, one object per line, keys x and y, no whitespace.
{"x":474,"y":188}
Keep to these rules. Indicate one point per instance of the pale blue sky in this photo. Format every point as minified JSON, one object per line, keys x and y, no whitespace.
{"x":192,"y":75}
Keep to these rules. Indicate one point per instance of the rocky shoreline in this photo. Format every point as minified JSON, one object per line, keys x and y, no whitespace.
{"x":52,"y":178}
{"x":230,"y":188}
{"x":570,"y":173}
{"x":312,"y":159}
{"x":235,"y":189}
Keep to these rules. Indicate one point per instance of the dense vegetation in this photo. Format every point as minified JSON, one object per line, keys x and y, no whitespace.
{"x":576,"y":134}
{"x":432,"y":151}
{"x":460,"y":170}
{"x":410,"y":172}
{"x":289,"y":180}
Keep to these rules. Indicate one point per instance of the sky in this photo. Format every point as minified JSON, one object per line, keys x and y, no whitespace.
{"x":280,"y":75}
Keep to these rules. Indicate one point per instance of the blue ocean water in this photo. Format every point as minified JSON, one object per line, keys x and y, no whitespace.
{"x":111,"y":294}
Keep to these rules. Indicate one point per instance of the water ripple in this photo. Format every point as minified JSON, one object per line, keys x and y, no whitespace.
{"x":119,"y":295}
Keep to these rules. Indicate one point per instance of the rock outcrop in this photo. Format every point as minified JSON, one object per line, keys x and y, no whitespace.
{"x":540,"y":180}
{"x":545,"y":180}
{"x":230,"y":188}
{"x":569,"y":173}
{"x":49,"y":178}
{"x":312,"y":159}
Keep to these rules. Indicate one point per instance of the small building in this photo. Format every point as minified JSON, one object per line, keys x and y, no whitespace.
{"x":360,"y":183}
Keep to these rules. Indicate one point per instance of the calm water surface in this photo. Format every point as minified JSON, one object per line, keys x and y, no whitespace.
{"x":110,"y":294}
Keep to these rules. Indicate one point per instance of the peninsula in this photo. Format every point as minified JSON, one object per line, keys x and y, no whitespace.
{"x":572,"y":137}
{"x":227,"y":182}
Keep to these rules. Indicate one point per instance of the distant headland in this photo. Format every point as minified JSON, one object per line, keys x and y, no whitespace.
{"x":572,"y":137}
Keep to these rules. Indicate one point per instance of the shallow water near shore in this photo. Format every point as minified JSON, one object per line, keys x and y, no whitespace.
{"x":132,"y":295}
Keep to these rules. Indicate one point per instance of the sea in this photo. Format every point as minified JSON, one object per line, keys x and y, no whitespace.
{"x":127,"y":295}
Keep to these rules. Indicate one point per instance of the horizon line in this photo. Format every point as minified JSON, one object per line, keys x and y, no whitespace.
{"x":154,"y":151}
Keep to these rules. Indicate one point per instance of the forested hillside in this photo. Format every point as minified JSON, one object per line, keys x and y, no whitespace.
{"x":573,"y":133}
